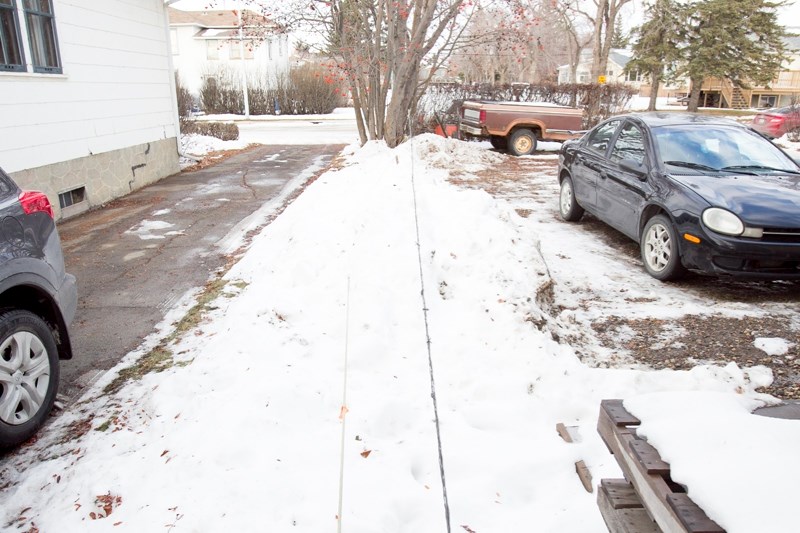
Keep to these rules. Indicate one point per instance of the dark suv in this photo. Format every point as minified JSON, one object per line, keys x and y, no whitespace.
{"x":37,"y":302}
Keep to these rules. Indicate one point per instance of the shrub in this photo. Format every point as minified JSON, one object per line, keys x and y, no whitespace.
{"x":226,"y":131}
{"x":308,"y":89}
{"x":185,"y":100}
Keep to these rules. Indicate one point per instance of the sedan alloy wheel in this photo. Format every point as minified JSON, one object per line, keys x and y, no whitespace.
{"x":659,"y":248}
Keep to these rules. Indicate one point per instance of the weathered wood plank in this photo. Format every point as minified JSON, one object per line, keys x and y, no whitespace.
{"x":649,"y":457}
{"x":623,"y":519}
{"x":564,"y":432}
{"x":618,"y":414}
{"x":585,"y":475}
{"x":693,"y":518}
{"x":652,"y":489}
{"x":620,"y":493}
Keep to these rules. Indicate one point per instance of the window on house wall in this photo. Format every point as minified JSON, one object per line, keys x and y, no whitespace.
{"x":41,"y":25}
{"x":212,"y":50}
{"x":583,"y":77}
{"x":767,"y":100}
{"x":10,"y":49}
{"x":633,"y":75}
{"x":234,"y":51}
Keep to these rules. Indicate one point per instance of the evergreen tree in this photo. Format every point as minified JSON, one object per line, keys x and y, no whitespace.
{"x":737,"y":40}
{"x":657,"y":48}
{"x":620,"y":39}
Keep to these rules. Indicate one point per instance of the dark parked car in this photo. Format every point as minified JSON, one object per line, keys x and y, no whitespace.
{"x":37,"y":302}
{"x":696,"y":192}
{"x":774,"y":123}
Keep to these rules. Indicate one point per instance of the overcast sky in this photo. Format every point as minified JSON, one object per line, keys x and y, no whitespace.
{"x":789,"y":15}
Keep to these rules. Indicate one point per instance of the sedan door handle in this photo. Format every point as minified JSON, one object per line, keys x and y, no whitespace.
{"x":604,"y":175}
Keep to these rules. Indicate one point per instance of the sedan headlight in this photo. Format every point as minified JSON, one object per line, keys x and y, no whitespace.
{"x":723,"y":221}
{"x":727,"y":223}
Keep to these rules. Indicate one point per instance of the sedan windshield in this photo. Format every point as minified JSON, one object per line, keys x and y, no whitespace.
{"x":715,"y":147}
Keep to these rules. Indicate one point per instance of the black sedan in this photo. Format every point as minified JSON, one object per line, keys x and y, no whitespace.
{"x":696,"y":192}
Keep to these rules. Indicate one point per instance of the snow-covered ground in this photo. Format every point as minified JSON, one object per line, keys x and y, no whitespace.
{"x":304,"y":396}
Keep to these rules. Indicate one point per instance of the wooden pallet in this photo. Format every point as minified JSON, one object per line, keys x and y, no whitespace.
{"x":648,"y":479}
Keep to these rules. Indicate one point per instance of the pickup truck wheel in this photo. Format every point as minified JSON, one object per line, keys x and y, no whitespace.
{"x":522,"y":142}
{"x":569,"y":208}
{"x":498,"y":143}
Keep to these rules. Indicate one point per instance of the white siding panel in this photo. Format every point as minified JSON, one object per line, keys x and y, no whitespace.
{"x":110,"y":109}
{"x":115,"y":91}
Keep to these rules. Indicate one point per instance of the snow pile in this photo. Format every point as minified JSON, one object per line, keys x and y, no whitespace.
{"x":453,"y":154}
{"x":200,"y":145}
{"x":380,"y":284}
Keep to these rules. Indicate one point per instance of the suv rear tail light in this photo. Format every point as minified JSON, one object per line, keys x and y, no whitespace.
{"x":482,"y":117}
{"x":35,"y":201}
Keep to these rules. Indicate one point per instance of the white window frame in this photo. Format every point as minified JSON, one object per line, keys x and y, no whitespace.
{"x":35,"y":36}
{"x":10,"y":38}
{"x":40,"y":25}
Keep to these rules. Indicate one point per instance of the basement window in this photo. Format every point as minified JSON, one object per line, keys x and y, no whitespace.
{"x":72,"y":197}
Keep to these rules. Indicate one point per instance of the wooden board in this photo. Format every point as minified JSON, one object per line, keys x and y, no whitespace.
{"x":621,"y":508}
{"x":649,"y":474}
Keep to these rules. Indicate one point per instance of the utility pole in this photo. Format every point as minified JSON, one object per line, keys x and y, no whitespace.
{"x":243,"y":65}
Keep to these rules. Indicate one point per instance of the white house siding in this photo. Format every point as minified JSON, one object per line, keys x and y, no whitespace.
{"x":109,"y":122}
{"x":268,"y":60}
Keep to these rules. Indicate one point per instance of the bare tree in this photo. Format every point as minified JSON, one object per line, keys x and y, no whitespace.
{"x":603,"y":20}
{"x":578,"y":37}
{"x":382,"y":46}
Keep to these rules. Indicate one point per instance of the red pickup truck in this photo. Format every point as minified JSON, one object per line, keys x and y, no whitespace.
{"x":517,"y":126}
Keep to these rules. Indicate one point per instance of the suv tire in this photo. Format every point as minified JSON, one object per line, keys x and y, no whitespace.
{"x":29,"y":374}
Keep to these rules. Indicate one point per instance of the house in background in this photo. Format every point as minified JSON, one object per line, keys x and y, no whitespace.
{"x":783,"y":91}
{"x":617,"y":59}
{"x":87,"y":98}
{"x":206,"y":44}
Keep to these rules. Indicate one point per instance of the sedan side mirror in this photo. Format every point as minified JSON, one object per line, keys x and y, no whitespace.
{"x":634,"y":167}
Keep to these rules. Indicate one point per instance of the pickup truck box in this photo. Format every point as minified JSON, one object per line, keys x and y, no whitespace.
{"x":517,"y":126}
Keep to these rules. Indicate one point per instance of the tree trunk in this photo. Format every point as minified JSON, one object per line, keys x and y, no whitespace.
{"x":694,"y":94}
{"x":405,"y":84}
{"x":598,"y":65}
{"x":655,"y":83}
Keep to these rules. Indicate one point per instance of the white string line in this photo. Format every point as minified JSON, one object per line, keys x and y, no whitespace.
{"x":428,"y":342}
{"x":343,"y":412}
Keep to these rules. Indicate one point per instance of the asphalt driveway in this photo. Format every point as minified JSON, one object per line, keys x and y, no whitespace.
{"x":138,"y":256}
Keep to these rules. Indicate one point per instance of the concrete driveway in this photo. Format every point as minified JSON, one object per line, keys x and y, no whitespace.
{"x":136,"y":257}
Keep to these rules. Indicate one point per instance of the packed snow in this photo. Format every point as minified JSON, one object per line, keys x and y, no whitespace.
{"x":773,"y":345}
{"x":374,"y":348}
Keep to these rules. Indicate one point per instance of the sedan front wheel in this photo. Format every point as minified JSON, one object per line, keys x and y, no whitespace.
{"x":659,"y":246}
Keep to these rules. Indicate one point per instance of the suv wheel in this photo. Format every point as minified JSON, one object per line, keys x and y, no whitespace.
{"x":28,"y":375}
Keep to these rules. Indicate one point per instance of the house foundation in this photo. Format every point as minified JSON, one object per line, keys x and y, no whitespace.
{"x":76,"y":185}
